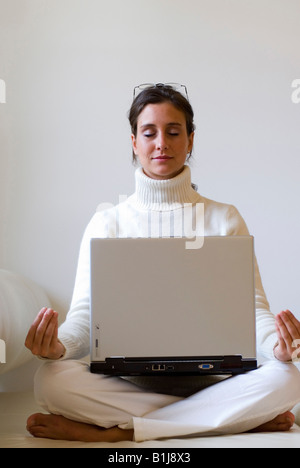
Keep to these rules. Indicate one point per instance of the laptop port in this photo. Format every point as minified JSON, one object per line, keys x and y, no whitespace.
{"x":206,"y":366}
{"x":158,"y":367}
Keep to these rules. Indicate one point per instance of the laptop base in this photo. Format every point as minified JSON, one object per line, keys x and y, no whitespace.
{"x":208,"y":365}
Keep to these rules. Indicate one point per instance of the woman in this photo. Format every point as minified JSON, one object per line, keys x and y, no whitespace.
{"x":89,"y":407}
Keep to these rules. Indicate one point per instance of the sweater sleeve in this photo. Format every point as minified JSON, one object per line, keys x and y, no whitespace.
{"x":265,"y":321}
{"x":74,"y":333}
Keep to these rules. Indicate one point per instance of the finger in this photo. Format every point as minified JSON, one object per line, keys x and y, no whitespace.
{"x":281,"y":341}
{"x":40,"y":332}
{"x":279,"y":335}
{"x":32,"y":330}
{"x":290,"y":325}
{"x":49,"y":335}
{"x":55,"y":331}
{"x":284,"y":330}
{"x":294,"y":321}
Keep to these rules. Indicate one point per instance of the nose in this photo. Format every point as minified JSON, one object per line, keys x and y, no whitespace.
{"x":161,"y":142}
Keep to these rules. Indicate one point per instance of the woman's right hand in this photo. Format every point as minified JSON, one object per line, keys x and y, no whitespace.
{"x":42,"y":339}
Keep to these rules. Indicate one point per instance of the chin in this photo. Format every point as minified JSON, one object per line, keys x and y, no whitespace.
{"x":166,"y":174}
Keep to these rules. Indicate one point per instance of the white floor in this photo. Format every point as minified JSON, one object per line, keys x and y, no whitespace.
{"x":16,"y":407}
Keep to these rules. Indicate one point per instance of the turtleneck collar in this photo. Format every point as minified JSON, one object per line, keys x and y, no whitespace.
{"x":164,"y":195}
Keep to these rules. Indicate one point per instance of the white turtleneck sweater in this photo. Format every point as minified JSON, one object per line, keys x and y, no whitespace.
{"x":156,"y":209}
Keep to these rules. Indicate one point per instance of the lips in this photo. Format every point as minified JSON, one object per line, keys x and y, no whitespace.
{"x":163,"y":158}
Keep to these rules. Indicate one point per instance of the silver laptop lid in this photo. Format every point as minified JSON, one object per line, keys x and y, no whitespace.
{"x":154,"y":297}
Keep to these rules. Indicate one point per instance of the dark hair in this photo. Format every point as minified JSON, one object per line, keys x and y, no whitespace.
{"x":158,"y":94}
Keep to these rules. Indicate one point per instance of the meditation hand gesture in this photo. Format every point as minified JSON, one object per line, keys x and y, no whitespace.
{"x":288,"y":332}
{"x":42,"y":337}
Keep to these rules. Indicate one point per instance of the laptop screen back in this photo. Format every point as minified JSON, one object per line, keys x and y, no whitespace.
{"x":154,"y":297}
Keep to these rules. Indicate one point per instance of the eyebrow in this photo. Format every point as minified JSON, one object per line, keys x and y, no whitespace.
{"x":171,"y":124}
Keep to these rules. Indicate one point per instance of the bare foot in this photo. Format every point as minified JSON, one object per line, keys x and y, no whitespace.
{"x":282,"y":423}
{"x":51,"y":426}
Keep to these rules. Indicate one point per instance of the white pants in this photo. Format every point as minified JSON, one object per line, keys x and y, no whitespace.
{"x":235,"y":405}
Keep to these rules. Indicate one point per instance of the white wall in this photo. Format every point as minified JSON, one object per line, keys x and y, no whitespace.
{"x":70,"y":67}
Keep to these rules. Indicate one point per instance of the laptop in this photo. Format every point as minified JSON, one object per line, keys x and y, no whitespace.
{"x":159,"y":308}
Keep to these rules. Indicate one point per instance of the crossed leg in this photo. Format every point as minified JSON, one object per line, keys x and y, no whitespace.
{"x":108,"y":409}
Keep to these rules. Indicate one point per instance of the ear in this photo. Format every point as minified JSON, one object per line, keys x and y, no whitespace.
{"x":133,"y":140}
{"x":191,"y":142}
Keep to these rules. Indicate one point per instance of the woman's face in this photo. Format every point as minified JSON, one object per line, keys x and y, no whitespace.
{"x":162,"y":143}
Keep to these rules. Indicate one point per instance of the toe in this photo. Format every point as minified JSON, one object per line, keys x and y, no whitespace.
{"x":32,"y":420}
{"x":35,"y":423}
{"x":287,"y":419}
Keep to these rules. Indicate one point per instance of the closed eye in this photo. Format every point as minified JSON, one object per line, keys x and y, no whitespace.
{"x":151,"y":135}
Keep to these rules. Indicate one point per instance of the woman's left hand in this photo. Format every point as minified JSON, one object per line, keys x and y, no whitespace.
{"x":288,"y":332}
